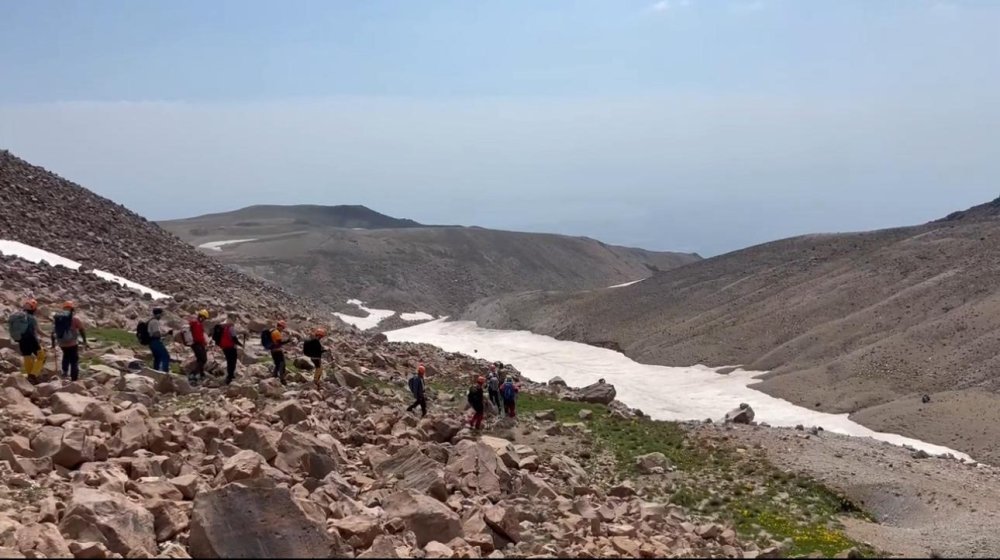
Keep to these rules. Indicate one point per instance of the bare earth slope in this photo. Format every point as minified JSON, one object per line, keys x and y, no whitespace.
{"x":863,"y":323}
{"x":404,"y":266}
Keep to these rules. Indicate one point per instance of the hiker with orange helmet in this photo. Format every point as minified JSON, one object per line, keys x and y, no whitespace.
{"x":478,"y":403}
{"x":417,"y":388}
{"x":24,"y":330}
{"x":313,"y":349}
{"x":67,"y":333}
{"x":277,"y":347}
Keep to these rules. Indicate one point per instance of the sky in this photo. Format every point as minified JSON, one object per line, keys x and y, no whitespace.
{"x":693,"y":125}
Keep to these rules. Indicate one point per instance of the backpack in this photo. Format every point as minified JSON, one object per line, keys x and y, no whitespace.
{"x":415,"y":384}
{"x":64,"y":327}
{"x":142,"y":333}
{"x":18,"y":324}
{"x":185,"y":336}
{"x":217,"y":331}
{"x":312,"y":348}
{"x":508,"y":392}
{"x":494,"y":384}
{"x":265,"y":339}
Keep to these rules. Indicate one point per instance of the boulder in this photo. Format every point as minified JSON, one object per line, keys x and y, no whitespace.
{"x":383,"y":547}
{"x":441,"y":429}
{"x":260,"y":438}
{"x":413,"y":470}
{"x":429,"y":519}
{"x":301,"y":452}
{"x":600,"y":393}
{"x":304,"y":363}
{"x":557,"y":382}
{"x":435,"y":549}
{"x":170,"y":518}
{"x":187,"y":484}
{"x":546,"y":415}
{"x":360,"y":531}
{"x":74,"y":449}
{"x":70,"y":403}
{"x":652,"y":463}
{"x":477,"y":470}
{"x":134,"y":383}
{"x":290,"y":412}
{"x":742,"y":415}
{"x":42,"y":538}
{"x":535,"y":487}
{"x":246,"y":464}
{"x":111,"y":519}
{"x":223,"y":518}
{"x":504,"y":521}
{"x":504,"y":449}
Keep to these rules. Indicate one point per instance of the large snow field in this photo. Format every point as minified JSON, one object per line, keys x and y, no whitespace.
{"x":36,"y":255}
{"x":664,"y":393}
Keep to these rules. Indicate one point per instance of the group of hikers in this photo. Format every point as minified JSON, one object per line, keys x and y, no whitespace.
{"x":69,"y":334}
{"x":502,"y":396}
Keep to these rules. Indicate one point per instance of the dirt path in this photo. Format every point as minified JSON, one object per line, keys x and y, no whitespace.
{"x":922,"y":505}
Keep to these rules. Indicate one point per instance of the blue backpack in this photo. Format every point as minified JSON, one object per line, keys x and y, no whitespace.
{"x":415,"y":385}
{"x":508,"y":391}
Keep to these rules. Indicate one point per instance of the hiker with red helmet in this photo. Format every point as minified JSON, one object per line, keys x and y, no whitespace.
{"x":24,"y":329}
{"x":478,"y":403}
{"x":67,"y":334}
{"x":417,"y":388}
{"x":313,"y":349}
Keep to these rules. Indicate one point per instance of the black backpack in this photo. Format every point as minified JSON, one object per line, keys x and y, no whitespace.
{"x":265,"y":339}
{"x":217,"y":334}
{"x":63,"y":326}
{"x":142,"y":333}
{"x":312,"y":348}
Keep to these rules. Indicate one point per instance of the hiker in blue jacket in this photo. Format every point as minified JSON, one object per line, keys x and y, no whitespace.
{"x":417,"y":388}
{"x":508,"y":391}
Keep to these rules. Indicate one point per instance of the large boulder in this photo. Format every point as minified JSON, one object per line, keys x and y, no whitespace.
{"x":301,"y":452}
{"x":649,"y":463}
{"x":277,"y":527}
{"x":290,"y":412}
{"x":600,"y":393}
{"x":504,"y":449}
{"x":429,"y":519}
{"x":44,"y":539}
{"x":477,"y":470}
{"x":111,"y":519}
{"x":246,"y":464}
{"x":742,"y":415}
{"x":260,"y":438}
{"x":70,"y":403}
{"x":413,"y":470}
{"x":359,"y":530}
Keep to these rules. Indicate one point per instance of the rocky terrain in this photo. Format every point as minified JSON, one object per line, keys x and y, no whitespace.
{"x":130,"y":462}
{"x":864,"y":323}
{"x":404,"y":266}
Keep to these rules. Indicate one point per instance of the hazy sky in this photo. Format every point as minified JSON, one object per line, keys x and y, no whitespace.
{"x":698,"y":125}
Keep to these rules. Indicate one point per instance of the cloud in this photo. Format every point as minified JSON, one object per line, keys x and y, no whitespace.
{"x":665,"y":5}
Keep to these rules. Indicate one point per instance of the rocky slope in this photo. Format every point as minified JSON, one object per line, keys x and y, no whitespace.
{"x":43,"y":210}
{"x":436,"y":269}
{"x":864,"y":323}
{"x":129,"y":462}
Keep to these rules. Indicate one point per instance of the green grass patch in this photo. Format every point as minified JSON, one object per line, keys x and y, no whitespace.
{"x":715,"y":479}
{"x":121,"y":337}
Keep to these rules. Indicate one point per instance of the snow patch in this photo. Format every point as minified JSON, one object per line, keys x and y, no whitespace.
{"x":625,"y":284}
{"x":218,"y":245}
{"x":375,"y":316}
{"x":418,"y":316}
{"x":664,"y":393}
{"x":37,"y":256}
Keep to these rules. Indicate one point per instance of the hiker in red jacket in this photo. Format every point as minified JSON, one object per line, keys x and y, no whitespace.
{"x":225,"y":337}
{"x":198,"y":344}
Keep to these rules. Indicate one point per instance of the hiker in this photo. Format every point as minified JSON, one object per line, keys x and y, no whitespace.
{"x":509,"y":394}
{"x":274,"y":340}
{"x":417,"y":388}
{"x":477,"y":403}
{"x":194,"y":338}
{"x":313,"y":349}
{"x":493,"y":387}
{"x":224,"y":336}
{"x":24,"y":330}
{"x":67,"y":334}
{"x":154,"y":328}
